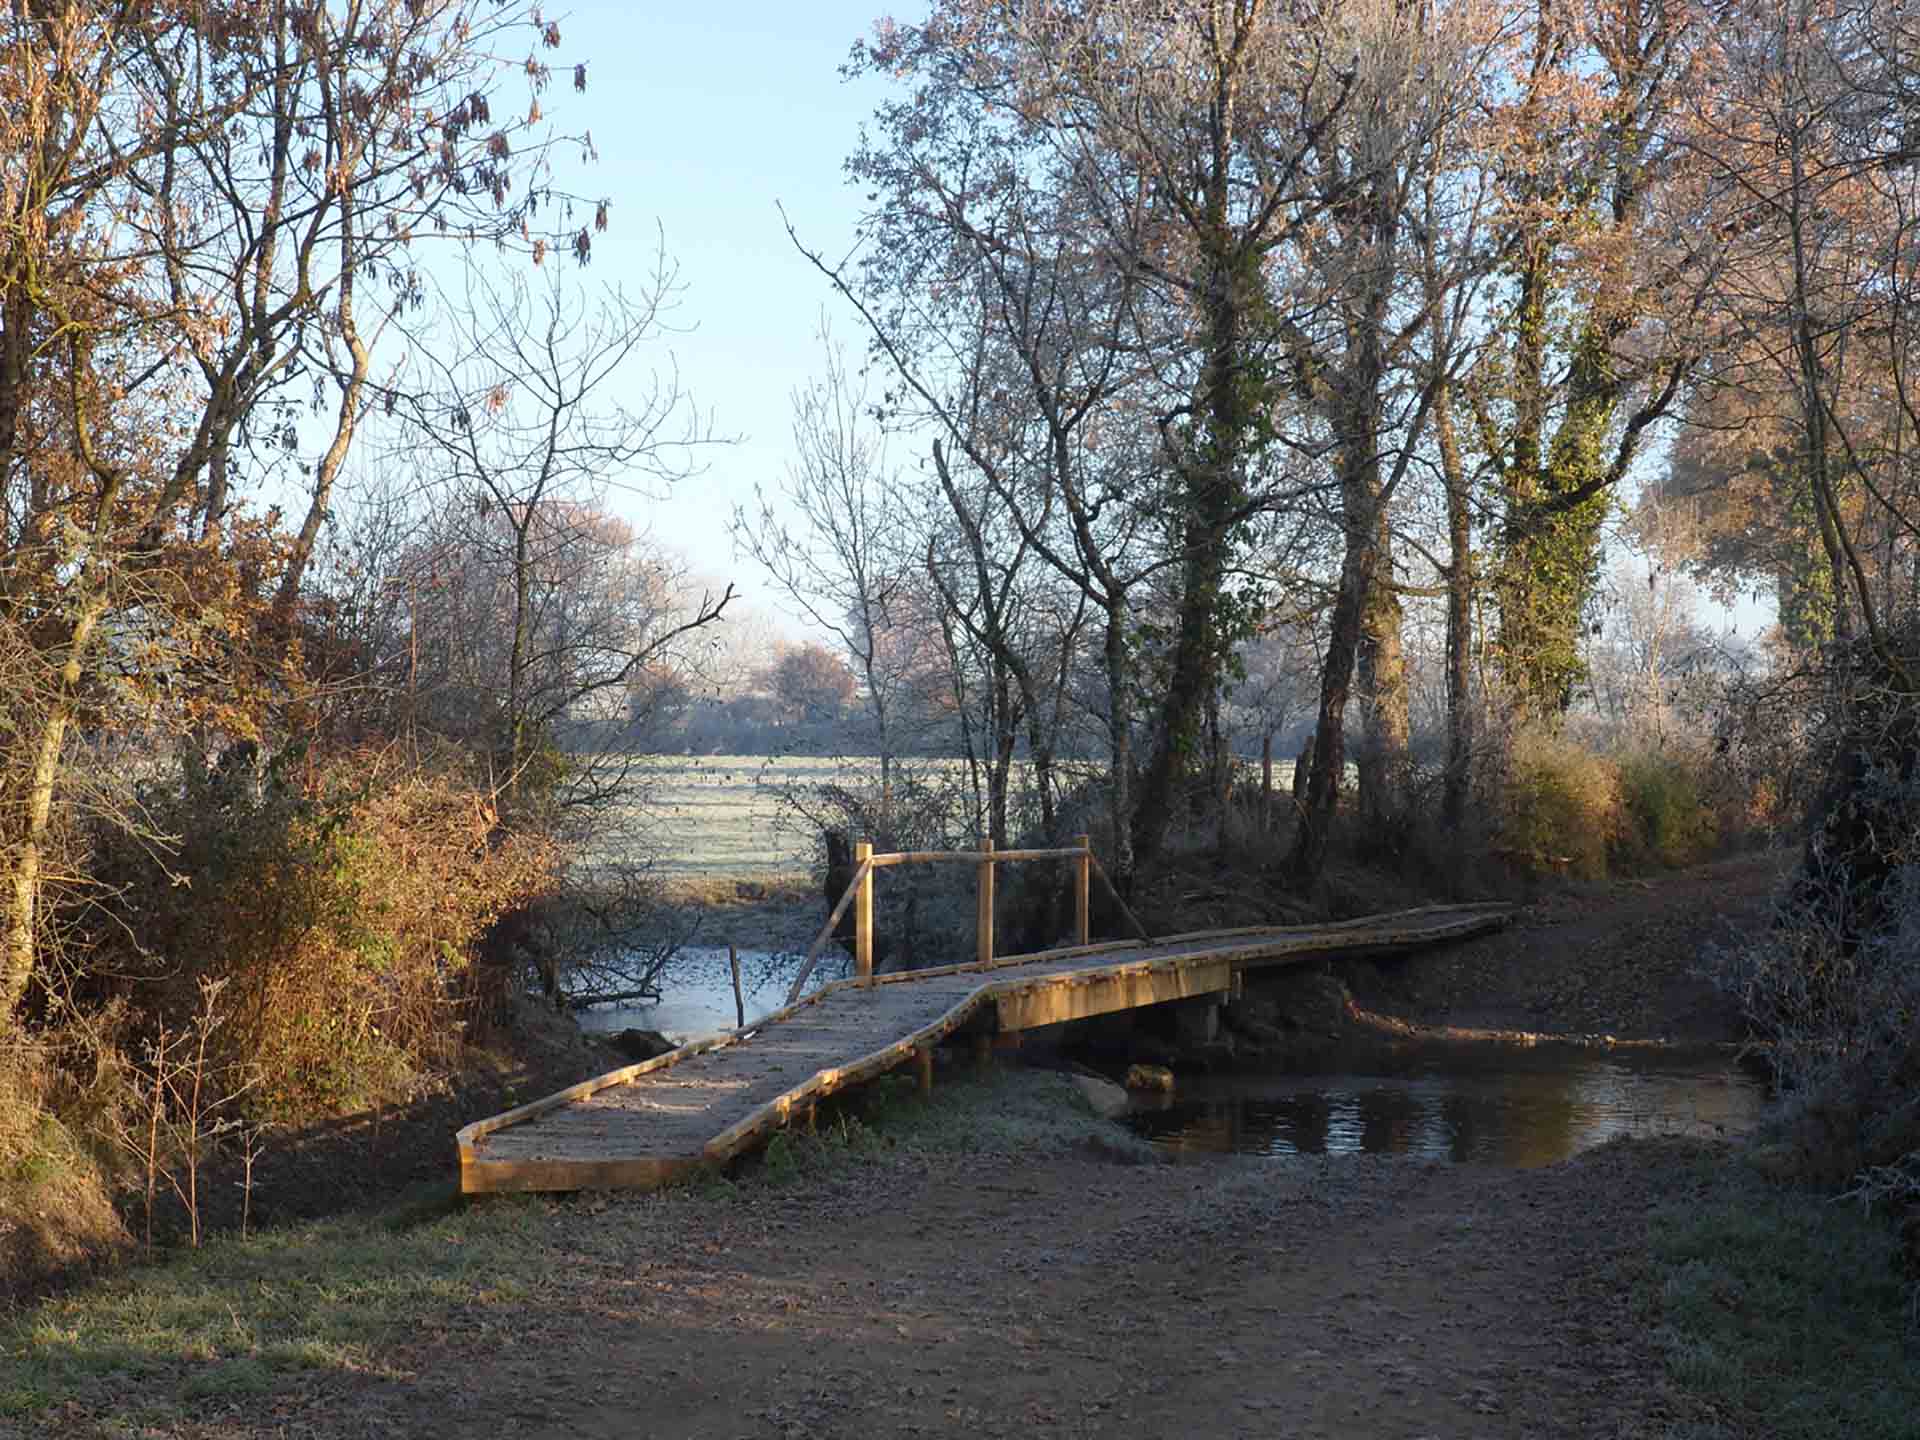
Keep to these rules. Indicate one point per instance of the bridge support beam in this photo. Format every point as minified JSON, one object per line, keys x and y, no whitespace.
{"x":1054,"y":998}
{"x":985,"y":1042}
{"x":1196,"y":1023}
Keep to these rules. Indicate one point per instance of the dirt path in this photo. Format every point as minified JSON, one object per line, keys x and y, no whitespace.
{"x":1626,"y":958}
{"x":1358,"y":1300}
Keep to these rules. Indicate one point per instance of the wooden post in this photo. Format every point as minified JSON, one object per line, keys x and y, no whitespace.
{"x":984,"y":919}
{"x":863,"y":915}
{"x":1083,"y":891}
{"x":923,"y":1063}
{"x":739,"y":1001}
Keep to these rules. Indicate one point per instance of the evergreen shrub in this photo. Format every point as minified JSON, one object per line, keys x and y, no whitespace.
{"x":1666,"y":813}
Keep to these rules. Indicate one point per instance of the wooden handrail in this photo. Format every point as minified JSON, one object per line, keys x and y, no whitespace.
{"x":859,"y":892}
{"x":826,"y":930}
{"x":969,"y":857}
{"x":1125,"y":909}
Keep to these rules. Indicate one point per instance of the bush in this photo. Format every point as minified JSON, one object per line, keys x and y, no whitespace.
{"x":1665,"y":811}
{"x":923,"y":914}
{"x":1560,"y":806}
{"x":55,"y":1182}
{"x":341,"y":905}
{"x":1842,"y":1010}
{"x":1836,"y":986}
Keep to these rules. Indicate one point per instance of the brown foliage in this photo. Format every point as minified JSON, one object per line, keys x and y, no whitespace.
{"x":342,"y":906}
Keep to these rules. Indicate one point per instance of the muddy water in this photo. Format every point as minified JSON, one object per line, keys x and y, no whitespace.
{"x":1496,"y":1105}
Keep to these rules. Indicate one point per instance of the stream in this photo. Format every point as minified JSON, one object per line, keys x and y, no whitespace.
{"x":697,"y":998}
{"x":1487,"y":1104}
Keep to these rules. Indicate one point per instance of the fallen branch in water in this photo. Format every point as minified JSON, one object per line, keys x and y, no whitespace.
{"x":612,"y":997}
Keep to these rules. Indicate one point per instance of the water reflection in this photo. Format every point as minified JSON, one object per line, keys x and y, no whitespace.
{"x":1513,"y":1108}
{"x":697,"y":996}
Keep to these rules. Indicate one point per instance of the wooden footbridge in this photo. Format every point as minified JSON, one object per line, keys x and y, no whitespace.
{"x":714,"y":1098}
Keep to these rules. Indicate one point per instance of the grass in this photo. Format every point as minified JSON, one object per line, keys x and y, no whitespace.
{"x":1786,"y":1311}
{"x":719,"y":815}
{"x":236,"y":1316}
{"x":722,"y":815}
{"x":155,"y":1344}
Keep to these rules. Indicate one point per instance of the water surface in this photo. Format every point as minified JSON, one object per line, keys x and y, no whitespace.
{"x":1494,"y":1105}
{"x":697,"y":991}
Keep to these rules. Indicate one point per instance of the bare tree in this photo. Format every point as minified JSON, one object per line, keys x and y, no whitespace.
{"x":1024,"y":636}
{"x":832,"y":540}
{"x":519,"y":435}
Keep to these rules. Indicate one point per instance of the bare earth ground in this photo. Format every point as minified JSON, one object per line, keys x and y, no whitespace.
{"x":1065,"y":1293}
{"x":1626,"y":958}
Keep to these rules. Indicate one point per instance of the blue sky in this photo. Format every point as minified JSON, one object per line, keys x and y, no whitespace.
{"x":704,"y":117}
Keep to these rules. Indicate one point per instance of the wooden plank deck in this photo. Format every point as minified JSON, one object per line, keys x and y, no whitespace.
{"x":714,"y":1098}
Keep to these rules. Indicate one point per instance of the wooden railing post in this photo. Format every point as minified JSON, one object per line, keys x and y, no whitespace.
{"x":863,"y":912}
{"x":985,"y":917}
{"x":1082,"y":891}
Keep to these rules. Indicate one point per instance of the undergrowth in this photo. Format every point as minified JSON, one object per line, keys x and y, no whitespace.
{"x":1786,"y":1311}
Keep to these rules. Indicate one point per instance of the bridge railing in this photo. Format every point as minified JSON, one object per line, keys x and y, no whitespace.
{"x":859,"y":895}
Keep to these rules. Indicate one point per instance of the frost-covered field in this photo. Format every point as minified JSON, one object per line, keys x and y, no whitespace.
{"x":722,"y":815}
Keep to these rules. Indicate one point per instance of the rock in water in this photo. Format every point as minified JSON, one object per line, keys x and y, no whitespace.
{"x":1150,"y":1077}
{"x":641,"y":1044}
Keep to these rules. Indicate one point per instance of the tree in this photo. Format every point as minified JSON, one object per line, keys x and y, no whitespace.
{"x":833,"y":543}
{"x":542,"y":606}
{"x":189,"y":197}
{"x":1011,"y":640}
{"x":1807,"y":161}
{"x":1380,"y":282}
{"x":811,"y":684}
{"x":1601,"y":278}
{"x":1172,"y":182}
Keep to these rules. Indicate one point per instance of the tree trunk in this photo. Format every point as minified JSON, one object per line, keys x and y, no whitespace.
{"x":1190,"y":679}
{"x":1266,"y":783}
{"x":518,"y":739}
{"x":1455,"y":784}
{"x":1226,"y":404}
{"x":1329,"y":764}
{"x":1005,"y":738}
{"x":1040,"y":752}
{"x":1386,"y":726}
{"x":24,"y":868}
{"x":1119,"y":746}
{"x":24,"y":873}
